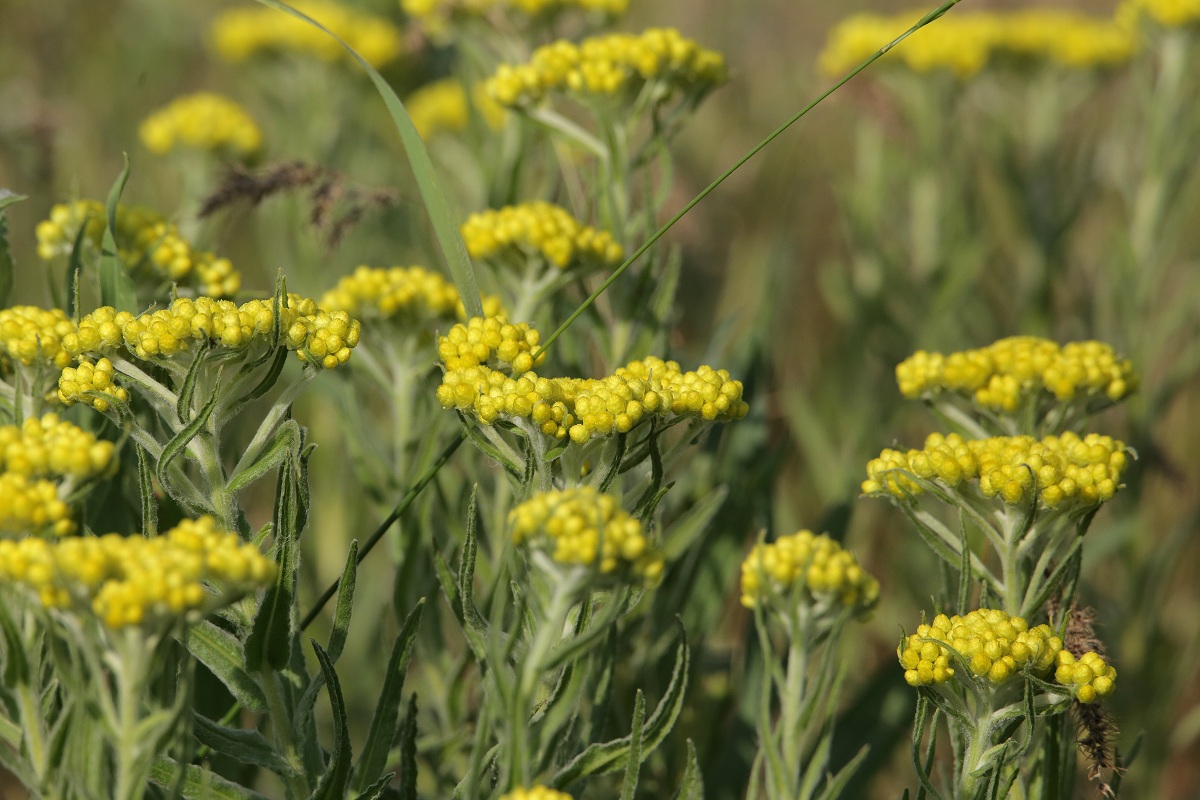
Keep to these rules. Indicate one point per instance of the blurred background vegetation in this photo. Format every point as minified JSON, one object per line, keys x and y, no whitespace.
{"x":906,"y":212}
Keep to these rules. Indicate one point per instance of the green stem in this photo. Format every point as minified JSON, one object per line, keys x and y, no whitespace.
{"x":981,"y":740}
{"x":793,"y":701}
{"x":33,"y":726}
{"x":281,"y":729}
{"x":131,"y":766}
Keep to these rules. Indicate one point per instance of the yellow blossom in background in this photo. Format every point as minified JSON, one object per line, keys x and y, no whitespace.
{"x":1089,"y":677}
{"x":32,"y":506}
{"x":995,"y":646}
{"x":584,"y":527}
{"x":437,"y":15}
{"x":608,"y":65}
{"x":48,"y":446}
{"x":444,"y":106}
{"x":239,"y":33}
{"x":809,"y":568}
{"x":1000,"y":375}
{"x":1168,"y":13}
{"x":204,"y":121}
{"x":539,"y":228}
{"x":536,"y":793}
{"x":30,"y":335}
{"x":1061,"y":470}
{"x":185,"y":573}
{"x":963,"y":43}
{"x":144,"y":240}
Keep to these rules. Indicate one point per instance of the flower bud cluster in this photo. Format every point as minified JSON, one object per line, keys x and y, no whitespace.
{"x":607,"y":65}
{"x":1061,"y":469}
{"x":49,"y":446}
{"x":32,"y":506}
{"x":35,"y":335}
{"x":444,"y":106}
{"x":540,"y":228}
{"x":994,"y":646}
{"x":1000,"y":375}
{"x":203,"y":121}
{"x":319,"y":337}
{"x":584,"y":408}
{"x":966,"y":43}
{"x":536,"y":793}
{"x":584,"y":527}
{"x":488,"y":340}
{"x":240,"y":33}
{"x":400,"y":293}
{"x":96,"y":378}
{"x":813,"y":568}
{"x":1089,"y":677}
{"x":143,"y":238}
{"x":124,"y":581}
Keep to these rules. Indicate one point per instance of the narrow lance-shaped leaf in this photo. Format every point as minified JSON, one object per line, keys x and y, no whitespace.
{"x":283,"y":444}
{"x":221,"y":652}
{"x":408,"y":752}
{"x":116,"y":287}
{"x":75,"y":273}
{"x":271,"y":637}
{"x":692,"y":786}
{"x":337,"y":776}
{"x":466,"y":569}
{"x":180,"y":441}
{"x":199,"y":783}
{"x":146,"y":489}
{"x":345,"y":605}
{"x":7,"y":267}
{"x":633,"y":763}
{"x":243,"y":746}
{"x":382,"y":732}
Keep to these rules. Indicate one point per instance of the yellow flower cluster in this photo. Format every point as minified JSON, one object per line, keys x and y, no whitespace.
{"x":964,"y":43}
{"x":88,"y":377}
{"x":129,"y":580}
{"x":1089,"y":677}
{"x":606,"y":65}
{"x":994,"y":645}
{"x":489,"y":339}
{"x":143,"y":238}
{"x":204,"y":121}
{"x":542,"y":228}
{"x":536,"y":793}
{"x":240,"y":33}
{"x":318,"y":336}
{"x":50,"y":446}
{"x":815,"y":566}
{"x":404,"y":293}
{"x":581,"y":408}
{"x":1061,"y":469}
{"x":35,"y":335}
{"x":1168,"y":13}
{"x":1000,"y":375}
{"x":443,"y":106}
{"x":584,"y":527}
{"x":437,"y":12}
{"x":32,"y":506}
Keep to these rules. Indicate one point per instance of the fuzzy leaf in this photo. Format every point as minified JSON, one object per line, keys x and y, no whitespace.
{"x":333,"y":784}
{"x":376,"y":789}
{"x":198,"y":783}
{"x":382,"y":733}
{"x":146,"y":487}
{"x":180,"y":441}
{"x":345,"y":605}
{"x":273,"y":632}
{"x":466,"y":569}
{"x":116,"y":287}
{"x":633,"y":762}
{"x":221,"y":652}
{"x":283,"y":444}
{"x":408,"y":752}
{"x":692,"y":786}
{"x":243,"y":746}
{"x":7,"y":267}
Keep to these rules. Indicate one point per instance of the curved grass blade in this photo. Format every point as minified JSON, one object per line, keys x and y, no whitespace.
{"x":445,"y":224}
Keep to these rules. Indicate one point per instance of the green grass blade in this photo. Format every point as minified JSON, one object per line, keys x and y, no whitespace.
{"x":7,"y":198}
{"x":445,"y":223}
{"x":772,"y":136}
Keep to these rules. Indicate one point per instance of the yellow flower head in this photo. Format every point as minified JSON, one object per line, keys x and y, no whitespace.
{"x":408,"y":295}
{"x":1061,"y":471}
{"x":586,"y":528}
{"x":445,"y":106}
{"x":609,"y":65}
{"x":34,"y":335}
{"x":1089,"y":677}
{"x":812,"y":569}
{"x":514,"y":233}
{"x":1167,"y":13}
{"x":203,"y":121}
{"x":490,"y":340}
{"x":536,"y":793}
{"x":240,"y":33}
{"x":32,"y":506}
{"x":994,"y":646}
{"x":144,"y":240}
{"x":438,"y":15}
{"x":48,"y":446}
{"x":1001,"y":375}
{"x":91,"y":384}
{"x":185,"y":573}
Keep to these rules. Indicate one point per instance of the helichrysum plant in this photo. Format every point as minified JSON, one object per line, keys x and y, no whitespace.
{"x":204,"y":121}
{"x":1023,"y":502}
